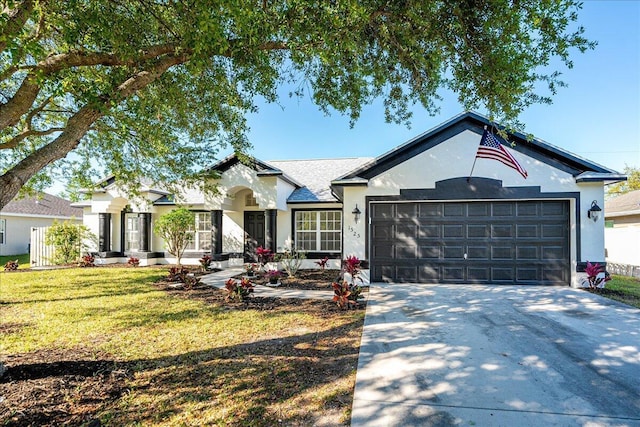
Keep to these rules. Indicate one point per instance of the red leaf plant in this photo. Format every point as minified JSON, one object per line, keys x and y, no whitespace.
{"x":238,"y":291}
{"x":323,"y":262}
{"x":596,"y":279}
{"x":264,"y":255}
{"x":342,"y":292}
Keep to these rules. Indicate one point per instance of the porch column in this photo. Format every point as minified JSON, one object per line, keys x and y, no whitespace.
{"x":144,"y":236}
{"x":104,"y":232}
{"x":270,"y":232}
{"x":216,"y":232}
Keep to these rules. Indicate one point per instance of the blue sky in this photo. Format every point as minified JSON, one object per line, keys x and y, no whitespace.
{"x":597,"y":116}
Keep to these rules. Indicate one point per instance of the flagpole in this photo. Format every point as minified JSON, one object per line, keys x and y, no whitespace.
{"x":475,"y":159}
{"x":472,"y":167}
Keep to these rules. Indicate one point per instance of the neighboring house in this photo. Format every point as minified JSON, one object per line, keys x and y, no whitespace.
{"x":411,"y":215}
{"x":20,"y":215}
{"x":622,"y":232}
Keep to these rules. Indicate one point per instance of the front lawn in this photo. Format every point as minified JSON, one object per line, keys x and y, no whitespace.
{"x":109,"y":344}
{"x":622,"y":288}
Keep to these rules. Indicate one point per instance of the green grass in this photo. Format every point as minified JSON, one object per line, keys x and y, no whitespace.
{"x":192,"y":362}
{"x":23,"y":260}
{"x":623,"y":289}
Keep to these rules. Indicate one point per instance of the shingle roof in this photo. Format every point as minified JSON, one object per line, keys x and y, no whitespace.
{"x":316,"y":176}
{"x":628,"y":203}
{"x":45,"y":204}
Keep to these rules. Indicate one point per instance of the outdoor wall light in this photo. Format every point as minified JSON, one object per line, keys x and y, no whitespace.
{"x":356,"y":214}
{"x":594,"y":212}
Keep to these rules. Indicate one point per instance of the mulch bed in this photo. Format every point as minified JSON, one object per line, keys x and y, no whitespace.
{"x":57,"y":387}
{"x":305,"y":279}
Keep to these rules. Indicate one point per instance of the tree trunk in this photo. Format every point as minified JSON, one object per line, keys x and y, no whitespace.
{"x":16,"y":177}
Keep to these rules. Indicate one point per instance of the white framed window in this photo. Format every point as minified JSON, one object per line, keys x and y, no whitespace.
{"x":202,"y":234}
{"x":3,"y":231}
{"x":131,"y":232}
{"x":318,"y":231}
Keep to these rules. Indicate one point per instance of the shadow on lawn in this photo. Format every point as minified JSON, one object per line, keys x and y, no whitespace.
{"x":114,"y":293}
{"x":258,"y":383}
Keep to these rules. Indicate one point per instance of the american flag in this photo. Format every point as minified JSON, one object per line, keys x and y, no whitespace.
{"x":490,"y":148}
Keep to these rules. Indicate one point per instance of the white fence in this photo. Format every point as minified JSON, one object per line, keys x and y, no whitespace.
{"x":623,"y":245}
{"x":40,"y":253}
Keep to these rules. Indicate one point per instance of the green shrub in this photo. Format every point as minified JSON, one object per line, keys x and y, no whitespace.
{"x":176,"y":228}
{"x":291,"y":261}
{"x":69,"y":240}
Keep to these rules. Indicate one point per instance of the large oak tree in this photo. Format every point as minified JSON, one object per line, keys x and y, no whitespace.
{"x":152,"y":88}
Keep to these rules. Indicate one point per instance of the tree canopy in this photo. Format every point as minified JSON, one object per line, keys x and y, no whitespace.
{"x":154,"y":88}
{"x":631,"y":184}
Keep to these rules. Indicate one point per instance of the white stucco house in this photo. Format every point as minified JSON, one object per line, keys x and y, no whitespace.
{"x":411,"y":214}
{"x":19,"y":216}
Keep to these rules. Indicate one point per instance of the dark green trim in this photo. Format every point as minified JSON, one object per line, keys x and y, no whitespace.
{"x":582,"y":265}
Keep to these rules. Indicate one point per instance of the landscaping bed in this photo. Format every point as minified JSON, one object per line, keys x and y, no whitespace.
{"x":315,"y":279}
{"x":120,"y":346}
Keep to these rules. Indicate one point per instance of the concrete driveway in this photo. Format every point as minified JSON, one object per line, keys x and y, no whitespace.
{"x":471,"y":355}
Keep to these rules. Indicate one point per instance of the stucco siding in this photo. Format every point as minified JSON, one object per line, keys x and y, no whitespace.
{"x":354,"y":233}
{"x":284,"y":239}
{"x":455,"y":158}
{"x":592,"y":233}
{"x":92,"y":222}
{"x":233,"y":232}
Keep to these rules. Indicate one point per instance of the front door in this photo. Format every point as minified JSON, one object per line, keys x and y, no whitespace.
{"x":253,"y":234}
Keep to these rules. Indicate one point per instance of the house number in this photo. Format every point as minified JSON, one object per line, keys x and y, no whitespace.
{"x":354,"y":232}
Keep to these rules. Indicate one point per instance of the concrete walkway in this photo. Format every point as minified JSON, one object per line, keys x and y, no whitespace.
{"x":219,"y":278}
{"x":465,"y":355}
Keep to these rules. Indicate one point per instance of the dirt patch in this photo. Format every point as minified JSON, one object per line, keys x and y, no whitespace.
{"x":58,"y":387}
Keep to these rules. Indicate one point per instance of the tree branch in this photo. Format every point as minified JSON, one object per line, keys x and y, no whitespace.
{"x":77,"y":126}
{"x":19,"y":104}
{"x":16,"y":140}
{"x":17,"y":17}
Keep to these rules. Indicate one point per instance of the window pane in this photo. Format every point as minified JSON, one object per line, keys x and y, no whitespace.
{"x":203,"y":221}
{"x":306,"y":241}
{"x":205,"y":240}
{"x":330,"y":241}
{"x":305,"y":221}
{"x":192,"y":244}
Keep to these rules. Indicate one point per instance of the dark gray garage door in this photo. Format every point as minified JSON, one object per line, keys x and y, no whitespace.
{"x":501,"y":242}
